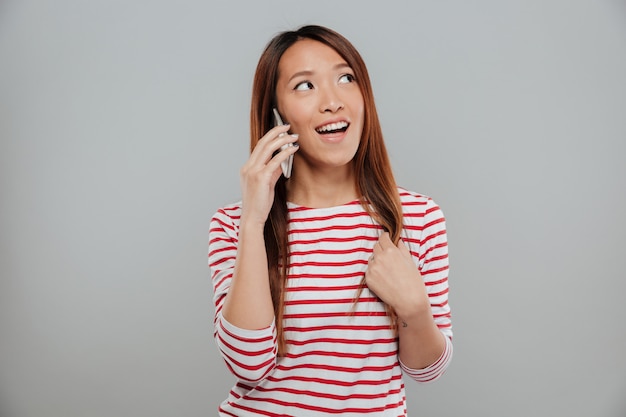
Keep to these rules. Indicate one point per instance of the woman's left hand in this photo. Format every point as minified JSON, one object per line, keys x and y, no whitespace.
{"x":393,"y":276}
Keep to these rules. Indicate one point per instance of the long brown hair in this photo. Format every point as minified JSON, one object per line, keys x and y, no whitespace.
{"x":374,"y":178}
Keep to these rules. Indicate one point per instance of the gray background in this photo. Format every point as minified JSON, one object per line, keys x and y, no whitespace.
{"x":123,"y":125}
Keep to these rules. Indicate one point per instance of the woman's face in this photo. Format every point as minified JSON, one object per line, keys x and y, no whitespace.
{"x":319,"y":97}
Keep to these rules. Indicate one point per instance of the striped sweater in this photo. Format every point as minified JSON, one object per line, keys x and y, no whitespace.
{"x":342,"y":359}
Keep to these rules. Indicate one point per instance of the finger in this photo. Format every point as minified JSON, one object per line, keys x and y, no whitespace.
{"x":384,"y":241}
{"x":264,"y":152}
{"x":267,"y":144}
{"x":272,"y":135}
{"x":274,"y":132}
{"x":378,"y":248}
{"x":401,"y":245}
{"x":404,"y":250}
{"x":274,"y":163}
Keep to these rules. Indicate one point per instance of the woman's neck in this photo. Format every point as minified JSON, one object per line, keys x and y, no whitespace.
{"x":319,"y":189}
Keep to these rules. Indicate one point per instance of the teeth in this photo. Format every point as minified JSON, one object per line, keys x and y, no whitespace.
{"x":332,"y":126}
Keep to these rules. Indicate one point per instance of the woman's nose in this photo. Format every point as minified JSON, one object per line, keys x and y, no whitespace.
{"x":330,"y":102}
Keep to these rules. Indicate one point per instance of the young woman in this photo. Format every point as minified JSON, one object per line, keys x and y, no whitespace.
{"x":327,"y":284}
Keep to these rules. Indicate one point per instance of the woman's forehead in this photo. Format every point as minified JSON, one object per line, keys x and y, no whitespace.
{"x":308,"y":55}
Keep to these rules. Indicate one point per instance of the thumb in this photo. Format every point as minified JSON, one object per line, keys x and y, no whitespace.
{"x":404,"y":250}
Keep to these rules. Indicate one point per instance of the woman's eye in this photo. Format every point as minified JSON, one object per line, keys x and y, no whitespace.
{"x":346,"y":78}
{"x":305,"y":85}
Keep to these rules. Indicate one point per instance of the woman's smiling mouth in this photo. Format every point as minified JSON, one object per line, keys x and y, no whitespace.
{"x":333,"y":128}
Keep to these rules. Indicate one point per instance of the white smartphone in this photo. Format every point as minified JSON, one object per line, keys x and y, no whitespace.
{"x":287,"y":164}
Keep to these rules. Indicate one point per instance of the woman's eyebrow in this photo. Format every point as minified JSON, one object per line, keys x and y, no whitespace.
{"x":308,"y":73}
{"x":305,"y":73}
{"x":342,"y":65}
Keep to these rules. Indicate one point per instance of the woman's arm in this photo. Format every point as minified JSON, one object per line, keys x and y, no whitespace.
{"x":248,"y":303}
{"x":244,"y":315}
{"x":249,"y":354}
{"x":420,"y":300}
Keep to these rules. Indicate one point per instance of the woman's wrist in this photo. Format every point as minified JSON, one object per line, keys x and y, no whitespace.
{"x":252,"y":225}
{"x":417,"y":317}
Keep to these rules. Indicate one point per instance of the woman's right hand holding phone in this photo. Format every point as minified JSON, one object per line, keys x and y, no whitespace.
{"x":260,"y":173}
{"x":248,"y":304}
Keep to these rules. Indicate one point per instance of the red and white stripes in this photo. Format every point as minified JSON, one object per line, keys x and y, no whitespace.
{"x":341,"y":356}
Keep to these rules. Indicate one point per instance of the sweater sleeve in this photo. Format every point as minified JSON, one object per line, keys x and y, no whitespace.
{"x":249,"y":354}
{"x":432,"y":260}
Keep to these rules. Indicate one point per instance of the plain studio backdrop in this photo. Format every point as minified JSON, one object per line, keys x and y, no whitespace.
{"x":123,"y":126}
